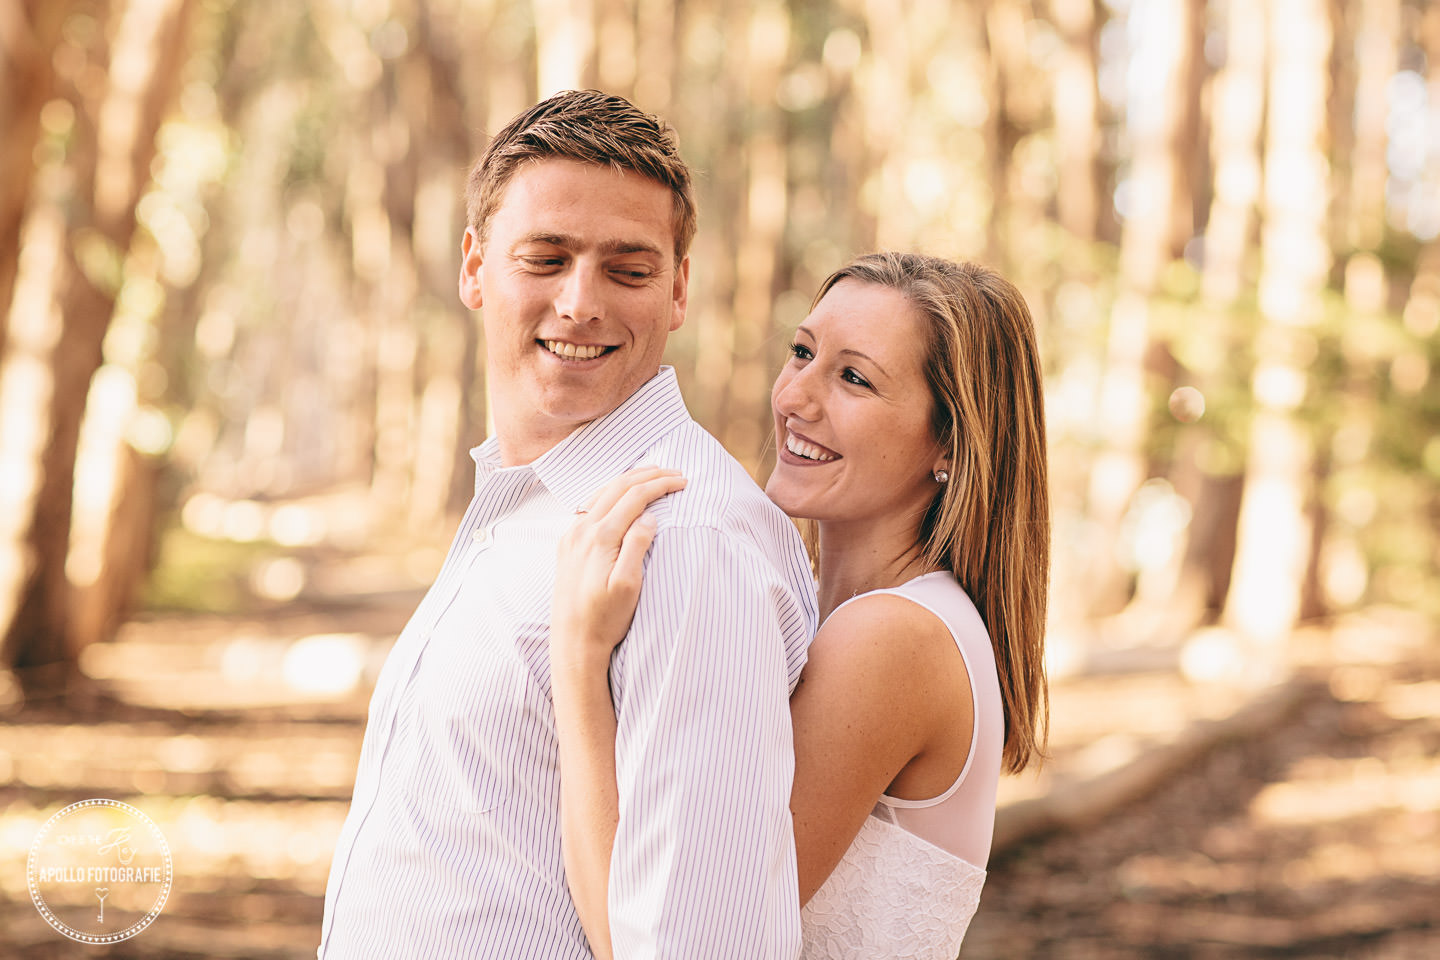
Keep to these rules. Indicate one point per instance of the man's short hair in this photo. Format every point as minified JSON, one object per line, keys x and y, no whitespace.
{"x":591,"y":127}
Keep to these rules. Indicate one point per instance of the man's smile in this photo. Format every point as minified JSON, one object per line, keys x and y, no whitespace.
{"x":575,"y":351}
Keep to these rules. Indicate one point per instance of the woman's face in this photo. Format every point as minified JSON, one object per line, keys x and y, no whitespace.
{"x":852,"y":411}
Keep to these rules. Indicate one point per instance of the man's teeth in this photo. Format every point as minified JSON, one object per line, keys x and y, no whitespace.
{"x":807,"y":450}
{"x":574,"y":351}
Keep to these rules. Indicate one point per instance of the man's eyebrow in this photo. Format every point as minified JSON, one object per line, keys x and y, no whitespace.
{"x":549,"y":239}
{"x":613,"y":247}
{"x":607,"y":248}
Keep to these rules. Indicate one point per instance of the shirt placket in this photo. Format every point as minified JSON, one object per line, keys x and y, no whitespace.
{"x":494,"y":497}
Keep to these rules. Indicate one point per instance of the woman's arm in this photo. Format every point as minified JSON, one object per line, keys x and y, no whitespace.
{"x":589,"y":804}
{"x":597,"y":586}
{"x":883,"y":704}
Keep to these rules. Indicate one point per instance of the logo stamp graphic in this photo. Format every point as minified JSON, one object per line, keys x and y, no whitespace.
{"x":99,"y":871}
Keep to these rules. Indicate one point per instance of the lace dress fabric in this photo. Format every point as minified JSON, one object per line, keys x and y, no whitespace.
{"x":893,"y":895}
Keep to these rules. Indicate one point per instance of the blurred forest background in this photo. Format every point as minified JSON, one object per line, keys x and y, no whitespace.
{"x":231,"y":350}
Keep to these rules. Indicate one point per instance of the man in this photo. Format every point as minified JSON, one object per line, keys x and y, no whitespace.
{"x":580,"y":218}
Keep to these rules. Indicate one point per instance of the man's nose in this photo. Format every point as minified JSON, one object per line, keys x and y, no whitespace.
{"x":578,"y":298}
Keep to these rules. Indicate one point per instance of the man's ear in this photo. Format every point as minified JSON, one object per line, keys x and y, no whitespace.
{"x":470,"y":263}
{"x":680,"y":294}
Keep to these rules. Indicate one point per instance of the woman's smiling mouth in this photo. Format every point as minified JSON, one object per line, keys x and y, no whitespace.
{"x":808,"y":451}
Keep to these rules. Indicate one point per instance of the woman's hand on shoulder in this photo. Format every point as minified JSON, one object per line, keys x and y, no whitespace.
{"x":599,"y":568}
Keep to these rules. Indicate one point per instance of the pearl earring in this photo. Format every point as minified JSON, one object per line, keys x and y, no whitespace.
{"x":942,"y":476}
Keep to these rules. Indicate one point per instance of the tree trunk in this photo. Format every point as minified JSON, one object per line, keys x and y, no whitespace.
{"x":1203,"y":470}
{"x":1237,"y":117}
{"x":1076,"y":110}
{"x":565,"y":44}
{"x":1361,"y":73}
{"x":714,"y":277}
{"x":436,"y":97}
{"x":1005,"y":43}
{"x":1376,"y":60}
{"x":125,"y":549}
{"x":28,"y":37}
{"x":765,"y":197}
{"x":1157,"y":114}
{"x":1274,"y":541}
{"x":115,"y":143}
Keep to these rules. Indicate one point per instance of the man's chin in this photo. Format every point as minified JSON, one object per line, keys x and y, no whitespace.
{"x":580,"y":404}
{"x":572,"y":416}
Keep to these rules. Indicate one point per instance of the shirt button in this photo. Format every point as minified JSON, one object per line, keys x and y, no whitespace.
{"x":480,"y":536}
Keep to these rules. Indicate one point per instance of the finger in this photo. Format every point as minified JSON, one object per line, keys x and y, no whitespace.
{"x":614,"y":489}
{"x":629,"y":565}
{"x":607,"y":496}
{"x":612,"y":524}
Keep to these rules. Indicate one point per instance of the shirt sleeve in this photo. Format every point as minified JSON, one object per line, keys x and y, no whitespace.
{"x":704,"y":857}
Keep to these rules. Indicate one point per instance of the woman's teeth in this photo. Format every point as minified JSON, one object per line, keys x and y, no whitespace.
{"x":807,"y":450}
{"x":574,"y":351}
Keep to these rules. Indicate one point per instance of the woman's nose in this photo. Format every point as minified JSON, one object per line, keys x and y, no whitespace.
{"x":793,"y":396}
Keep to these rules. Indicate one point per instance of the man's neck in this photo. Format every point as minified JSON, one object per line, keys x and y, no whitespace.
{"x":521,"y":447}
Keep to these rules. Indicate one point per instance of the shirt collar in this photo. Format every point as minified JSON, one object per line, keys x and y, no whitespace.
{"x":575,"y":468}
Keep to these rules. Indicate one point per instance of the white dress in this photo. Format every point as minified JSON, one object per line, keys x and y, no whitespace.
{"x":911,"y":880}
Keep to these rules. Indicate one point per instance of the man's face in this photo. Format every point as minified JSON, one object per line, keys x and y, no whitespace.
{"x":580,"y":289}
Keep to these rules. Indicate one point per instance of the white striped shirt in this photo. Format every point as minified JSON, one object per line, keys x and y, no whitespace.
{"x":452,"y":844}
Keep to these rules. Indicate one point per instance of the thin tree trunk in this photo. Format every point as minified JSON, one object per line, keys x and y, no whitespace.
{"x":1005,"y":42}
{"x":1156,"y":115}
{"x":1156,"y":118}
{"x":1361,"y":73}
{"x":657,"y":42}
{"x":1376,"y":60}
{"x":1237,"y":117}
{"x":1187,"y":144}
{"x":616,"y":65}
{"x":437,"y":98}
{"x":765,"y":199}
{"x":1211,"y":479}
{"x":28,"y":36}
{"x":1076,"y":109}
{"x":1274,"y":542}
{"x":714,"y":276}
{"x":565,"y":44}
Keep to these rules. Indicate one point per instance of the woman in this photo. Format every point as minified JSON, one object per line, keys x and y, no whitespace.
{"x":910,"y":428}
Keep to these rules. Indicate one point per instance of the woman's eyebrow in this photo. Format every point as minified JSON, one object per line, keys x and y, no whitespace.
{"x":865,"y":356}
{"x":848,"y":351}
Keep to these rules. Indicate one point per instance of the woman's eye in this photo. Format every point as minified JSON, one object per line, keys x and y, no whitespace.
{"x":852,"y":377}
{"x":801,"y":352}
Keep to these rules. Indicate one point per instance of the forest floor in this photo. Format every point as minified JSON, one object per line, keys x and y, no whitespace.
{"x":1315,"y":834}
{"x":1174,"y":820}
